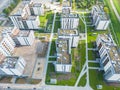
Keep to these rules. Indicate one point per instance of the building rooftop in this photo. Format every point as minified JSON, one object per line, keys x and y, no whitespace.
{"x":100,"y":11}
{"x":66,"y":3}
{"x":62,"y":32}
{"x":63,"y":56}
{"x":70,"y":15}
{"x":115,"y":58}
{"x":9,"y":62}
{"x":107,"y":39}
{"x":18,"y":9}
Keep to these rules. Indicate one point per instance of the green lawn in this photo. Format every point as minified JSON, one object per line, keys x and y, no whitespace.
{"x":52,"y":59}
{"x":78,"y":60}
{"x":57,"y":23}
{"x":94,"y":65}
{"x":96,"y":78}
{"x":117,"y":3}
{"x":47,"y":17}
{"x":82,"y":81}
{"x":115,"y":22}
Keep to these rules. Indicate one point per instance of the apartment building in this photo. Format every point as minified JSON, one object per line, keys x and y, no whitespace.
{"x":6,"y":46}
{"x":69,"y":21}
{"x":73,"y":35}
{"x":67,"y":4}
{"x":110,"y":57}
{"x":21,"y":18}
{"x":20,"y":37}
{"x":99,"y":18}
{"x":36,"y":8}
{"x":12,"y":66}
{"x":63,"y":48}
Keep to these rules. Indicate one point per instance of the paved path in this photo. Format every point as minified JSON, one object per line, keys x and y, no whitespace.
{"x":115,"y":10}
{"x":49,"y":46}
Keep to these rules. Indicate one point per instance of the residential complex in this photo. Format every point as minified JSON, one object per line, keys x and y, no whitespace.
{"x":6,"y":46}
{"x":69,"y":21}
{"x":63,"y":48}
{"x":99,"y":18}
{"x":21,"y":37}
{"x":12,"y":66}
{"x":73,"y":35}
{"x":25,"y":16}
{"x":109,"y":57}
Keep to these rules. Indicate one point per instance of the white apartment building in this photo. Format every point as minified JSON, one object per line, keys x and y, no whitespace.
{"x":110,"y":58}
{"x":63,"y":63}
{"x":21,"y":18}
{"x":36,"y":8}
{"x":69,"y":21}
{"x":20,"y":37}
{"x":6,"y":46}
{"x":73,"y":35}
{"x":100,"y":18}
{"x":12,"y":66}
{"x":67,"y":4}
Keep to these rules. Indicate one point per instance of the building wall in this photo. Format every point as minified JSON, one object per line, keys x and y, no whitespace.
{"x":69,"y":23}
{"x":18,"y":70}
{"x":63,"y":67}
{"x":38,"y":10}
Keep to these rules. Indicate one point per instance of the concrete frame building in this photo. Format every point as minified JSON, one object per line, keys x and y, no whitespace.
{"x":36,"y":8}
{"x":6,"y":45}
{"x":69,"y":21}
{"x":63,"y":63}
{"x":73,"y":35}
{"x":20,"y":37}
{"x":100,"y":18}
{"x":110,"y":58}
{"x":13,"y":66}
{"x":21,"y":17}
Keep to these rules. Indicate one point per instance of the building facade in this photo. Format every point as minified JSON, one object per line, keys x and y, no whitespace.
{"x":99,"y":18}
{"x":69,"y":21}
{"x":13,"y":66}
{"x":6,"y":45}
{"x":22,"y":18}
{"x":63,"y":63}
{"x":109,"y":58}
{"x":73,"y":35}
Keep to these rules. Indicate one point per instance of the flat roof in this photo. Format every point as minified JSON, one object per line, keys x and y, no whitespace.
{"x":106,"y":39}
{"x":66,"y":3}
{"x":69,"y":15}
{"x":68,"y":32}
{"x":100,"y":10}
{"x":63,"y":56}
{"x":9,"y":62}
{"x":115,"y":58}
{"x":18,"y":9}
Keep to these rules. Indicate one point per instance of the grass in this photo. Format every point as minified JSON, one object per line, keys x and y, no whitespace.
{"x":53,"y":48}
{"x":94,"y":65}
{"x":57,"y":23}
{"x":117,"y":3}
{"x":96,"y":78}
{"x":47,"y":17}
{"x":52,"y":59}
{"x":82,"y":81}
{"x":91,"y":55}
{"x":78,"y":60}
{"x":115,"y":23}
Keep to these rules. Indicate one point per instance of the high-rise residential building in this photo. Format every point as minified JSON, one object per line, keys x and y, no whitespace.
{"x":109,"y":57}
{"x":73,"y":35}
{"x":63,"y":63}
{"x":69,"y":21}
{"x":12,"y":66}
{"x":21,"y":17}
{"x":99,"y":18}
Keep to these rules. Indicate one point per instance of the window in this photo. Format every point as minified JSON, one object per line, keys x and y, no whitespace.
{"x":105,"y":62}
